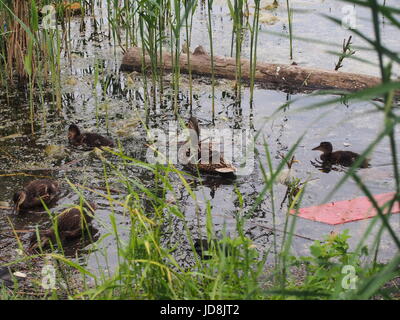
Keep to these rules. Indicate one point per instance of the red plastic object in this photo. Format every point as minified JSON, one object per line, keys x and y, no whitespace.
{"x":346,"y":211}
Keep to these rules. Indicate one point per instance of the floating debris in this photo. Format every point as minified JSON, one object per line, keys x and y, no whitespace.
{"x":19,"y":274}
{"x":11,"y":136}
{"x":268,"y":19}
{"x":71,"y":81}
{"x":271,"y":6}
{"x":54,"y":151}
{"x":73,"y":8}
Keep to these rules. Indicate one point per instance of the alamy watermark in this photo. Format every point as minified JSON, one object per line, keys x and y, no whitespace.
{"x":350,"y":279}
{"x":48,"y":277}
{"x":49,"y":19}
{"x":234,"y":146}
{"x":349,"y":19}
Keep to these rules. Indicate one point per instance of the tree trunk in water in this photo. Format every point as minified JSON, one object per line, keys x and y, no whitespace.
{"x":274,"y":76}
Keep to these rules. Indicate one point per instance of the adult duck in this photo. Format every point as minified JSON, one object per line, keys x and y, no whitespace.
{"x":216,"y":163}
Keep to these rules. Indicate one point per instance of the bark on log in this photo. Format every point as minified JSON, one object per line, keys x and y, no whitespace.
{"x":274,"y":76}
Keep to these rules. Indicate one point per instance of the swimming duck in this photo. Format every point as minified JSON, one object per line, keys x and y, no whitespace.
{"x":32,"y":193}
{"x":216,"y":163}
{"x":71,"y":223}
{"x":344,"y":158}
{"x":91,"y":140}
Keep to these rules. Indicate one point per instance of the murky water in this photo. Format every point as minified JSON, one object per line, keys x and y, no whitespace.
{"x":120,"y":106}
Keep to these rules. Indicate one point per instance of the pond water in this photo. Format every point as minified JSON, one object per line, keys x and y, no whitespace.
{"x":120,"y":107}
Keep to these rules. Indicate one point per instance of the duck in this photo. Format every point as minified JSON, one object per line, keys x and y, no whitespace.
{"x":343,"y":158}
{"x":33,"y":193}
{"x":88,"y":139}
{"x":212,"y":167}
{"x":71,"y":223}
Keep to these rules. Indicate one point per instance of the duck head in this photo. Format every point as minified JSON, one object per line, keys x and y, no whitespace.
{"x":193,"y":124}
{"x":194,"y":136}
{"x":73,"y":132}
{"x":325,"y":147}
{"x":45,"y":236}
{"x":18,"y":199}
{"x":90,"y":207}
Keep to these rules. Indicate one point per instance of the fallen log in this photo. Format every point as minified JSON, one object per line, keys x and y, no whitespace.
{"x":274,"y":76}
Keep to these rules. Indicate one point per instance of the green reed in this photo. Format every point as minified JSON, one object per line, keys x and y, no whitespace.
{"x":290,"y":19}
{"x":161,"y":36}
{"x":149,"y":15}
{"x":175,"y":24}
{"x":96,"y":75}
{"x":188,"y":33}
{"x":236,"y":12}
{"x":210,"y":36}
{"x":40,"y":52}
{"x":253,"y":46}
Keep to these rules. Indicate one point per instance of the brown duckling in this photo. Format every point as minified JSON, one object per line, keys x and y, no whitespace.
{"x":31,"y":195}
{"x":71,"y":223}
{"x":344,"y":158}
{"x":216,"y":162}
{"x":88,"y":139}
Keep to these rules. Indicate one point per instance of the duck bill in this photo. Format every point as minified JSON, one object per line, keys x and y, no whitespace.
{"x":33,"y":247}
{"x":40,"y":243}
{"x":317,"y":148}
{"x":71,"y":137}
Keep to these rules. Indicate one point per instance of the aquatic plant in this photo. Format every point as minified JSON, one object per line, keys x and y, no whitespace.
{"x":290,"y":22}
{"x":346,"y":52}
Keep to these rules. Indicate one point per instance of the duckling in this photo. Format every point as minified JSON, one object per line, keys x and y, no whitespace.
{"x":71,"y":223}
{"x":91,"y":140}
{"x":344,"y":158}
{"x":216,"y":162}
{"x":31,"y":195}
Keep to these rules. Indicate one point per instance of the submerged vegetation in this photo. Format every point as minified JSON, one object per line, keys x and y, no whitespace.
{"x":139,"y":258}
